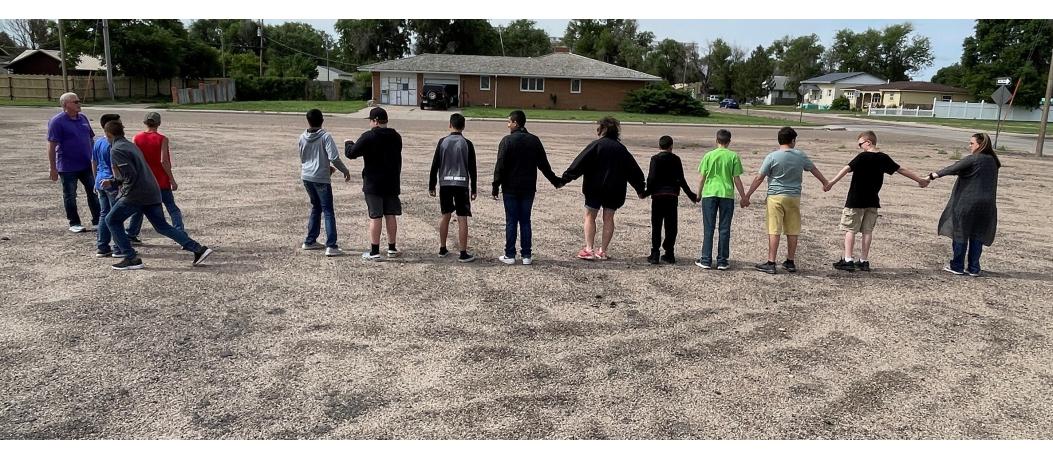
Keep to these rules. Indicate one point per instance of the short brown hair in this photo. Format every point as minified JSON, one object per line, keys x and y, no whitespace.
{"x":114,"y":128}
{"x":868,"y":135}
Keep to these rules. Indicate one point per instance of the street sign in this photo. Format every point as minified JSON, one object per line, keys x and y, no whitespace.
{"x":1001,"y":95}
{"x":1002,"y":81}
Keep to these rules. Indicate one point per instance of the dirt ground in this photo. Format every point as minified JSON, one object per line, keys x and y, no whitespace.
{"x":269,"y":341}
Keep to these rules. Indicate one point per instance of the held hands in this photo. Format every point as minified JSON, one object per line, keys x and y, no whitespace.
{"x":106,"y":183}
{"x":924,"y":183}
{"x":745,"y":202}
{"x":347,"y":176}
{"x":431,"y":192}
{"x":473,"y":196}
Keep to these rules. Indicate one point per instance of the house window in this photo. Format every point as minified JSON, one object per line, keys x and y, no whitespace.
{"x":535,"y":85}
{"x":875,"y":98}
{"x":484,"y":83}
{"x":947,"y":98}
{"x":829,"y":92}
{"x":575,"y":86}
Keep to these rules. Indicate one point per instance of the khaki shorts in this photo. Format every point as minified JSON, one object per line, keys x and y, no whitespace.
{"x":784,"y":215}
{"x":858,"y":220}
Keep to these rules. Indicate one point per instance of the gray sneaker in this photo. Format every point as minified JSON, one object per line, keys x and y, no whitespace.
{"x":313,"y":246}
{"x":333,"y":252}
{"x":371,"y":257}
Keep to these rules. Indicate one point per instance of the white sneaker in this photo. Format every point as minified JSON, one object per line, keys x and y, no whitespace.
{"x":528,"y":260}
{"x":77,"y":228}
{"x":507,"y":260}
{"x":312,"y":246}
{"x":332,"y":252}
{"x":372,"y":257}
{"x":394,"y":253}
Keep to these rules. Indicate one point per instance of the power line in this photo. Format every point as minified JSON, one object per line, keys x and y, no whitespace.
{"x":308,"y":54}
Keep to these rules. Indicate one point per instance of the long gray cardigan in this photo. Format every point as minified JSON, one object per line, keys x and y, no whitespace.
{"x":971,"y":212}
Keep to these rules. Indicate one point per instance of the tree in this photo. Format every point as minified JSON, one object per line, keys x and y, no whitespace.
{"x":6,"y":42}
{"x":719,"y":63}
{"x":454,"y":36}
{"x":33,"y":33}
{"x":365,"y":41}
{"x":156,"y":48}
{"x":892,"y":53}
{"x":674,"y":62}
{"x":522,"y":38}
{"x":951,"y":75}
{"x":798,"y":59}
{"x":1016,"y":48}
{"x":615,"y":41}
{"x":753,"y":77}
{"x":243,"y":65}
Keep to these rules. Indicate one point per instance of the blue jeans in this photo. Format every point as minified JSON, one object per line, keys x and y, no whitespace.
{"x":168,"y":199}
{"x":711,"y":207}
{"x":122,"y":210}
{"x":517,"y":216}
{"x":321,"y":196}
{"x":102,"y":235}
{"x":973,"y":247}
{"x":69,"y":195}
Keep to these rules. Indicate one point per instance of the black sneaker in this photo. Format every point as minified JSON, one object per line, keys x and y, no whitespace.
{"x":103,"y":253}
{"x":789,"y":265}
{"x":668,"y":258}
{"x":201,"y":254}
{"x":465,"y":257}
{"x":863,"y":266}
{"x":135,"y":240}
{"x":766,"y":267}
{"x":846,"y":266}
{"x":653,"y":259}
{"x":443,"y":252}
{"x":128,"y":264}
{"x":723,"y":266}
{"x":703,"y":265}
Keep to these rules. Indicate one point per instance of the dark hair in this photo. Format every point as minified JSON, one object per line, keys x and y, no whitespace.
{"x":108,"y":117}
{"x":665,"y":142}
{"x":723,"y":137}
{"x":114,"y":128}
{"x":609,"y":127}
{"x":985,"y":146}
{"x":868,"y":135}
{"x":457,"y":121}
{"x":314,"y":118}
{"x":518,"y":117}
{"x":787,"y":135}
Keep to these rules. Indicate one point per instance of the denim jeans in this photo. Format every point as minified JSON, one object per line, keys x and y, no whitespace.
{"x":120,"y":212}
{"x":102,"y":235}
{"x":960,"y":248}
{"x":711,"y":207}
{"x":135,"y":225}
{"x":517,"y":216}
{"x":69,"y":195}
{"x":321,"y":196}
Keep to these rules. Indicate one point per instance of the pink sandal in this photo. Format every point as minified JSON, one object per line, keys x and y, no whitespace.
{"x":602,"y":255}
{"x":586,"y":254}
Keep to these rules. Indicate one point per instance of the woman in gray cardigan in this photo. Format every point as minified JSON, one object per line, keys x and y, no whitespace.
{"x":971,"y":216}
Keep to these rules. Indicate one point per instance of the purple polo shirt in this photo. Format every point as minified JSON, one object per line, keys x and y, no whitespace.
{"x":74,"y":138}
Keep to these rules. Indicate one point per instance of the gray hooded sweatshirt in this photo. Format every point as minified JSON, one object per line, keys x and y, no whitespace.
{"x":317,"y":151}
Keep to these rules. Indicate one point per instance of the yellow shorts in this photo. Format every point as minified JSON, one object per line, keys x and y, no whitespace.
{"x":784,"y":215}
{"x":858,"y":220}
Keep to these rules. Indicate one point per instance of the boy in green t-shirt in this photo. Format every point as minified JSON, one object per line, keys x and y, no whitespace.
{"x":719,"y":169}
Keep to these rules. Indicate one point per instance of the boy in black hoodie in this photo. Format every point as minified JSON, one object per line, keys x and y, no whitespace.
{"x":665,"y":179}
{"x":453,"y":169}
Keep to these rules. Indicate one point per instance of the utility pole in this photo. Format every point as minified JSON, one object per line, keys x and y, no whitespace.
{"x":500,"y":36}
{"x":62,"y":52}
{"x":259,"y":32}
{"x":109,"y":62}
{"x":222,"y":53}
{"x":1045,"y":110}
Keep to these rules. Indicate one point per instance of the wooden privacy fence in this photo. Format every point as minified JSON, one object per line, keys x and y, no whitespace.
{"x":93,"y":88}
{"x":208,"y":91}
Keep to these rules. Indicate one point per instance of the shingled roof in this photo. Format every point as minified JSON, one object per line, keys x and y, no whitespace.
{"x":917,"y":86}
{"x":555,"y":65}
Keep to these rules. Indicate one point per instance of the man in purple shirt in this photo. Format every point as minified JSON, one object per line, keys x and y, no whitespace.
{"x":69,"y":154}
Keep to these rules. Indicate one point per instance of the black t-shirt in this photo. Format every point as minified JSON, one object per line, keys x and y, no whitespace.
{"x":381,"y":149}
{"x":867,"y":170}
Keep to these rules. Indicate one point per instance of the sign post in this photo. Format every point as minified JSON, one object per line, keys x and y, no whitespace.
{"x":1000,"y":97}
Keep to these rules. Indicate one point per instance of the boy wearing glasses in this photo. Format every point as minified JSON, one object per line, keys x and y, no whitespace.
{"x":861,"y":207}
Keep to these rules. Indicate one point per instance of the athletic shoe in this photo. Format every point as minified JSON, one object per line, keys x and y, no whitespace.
{"x":669,"y":259}
{"x":77,"y":228}
{"x":372,"y":257}
{"x":723,"y":266}
{"x":443,"y":252}
{"x":704,"y":266}
{"x":653,"y":259}
{"x":947,"y":268}
{"x":312,"y":246}
{"x":394,"y":253}
{"x":201,"y":254}
{"x":465,"y":257}
{"x":863,"y":266}
{"x":973,"y":274}
{"x":135,"y":240}
{"x":128,"y":264}
{"x":766,"y":267}
{"x":530,"y":260}
{"x":507,"y":260}
{"x":103,"y":253}
{"x":585,"y":254}
{"x":789,"y":265}
{"x":333,"y":252}
{"x":846,"y":266}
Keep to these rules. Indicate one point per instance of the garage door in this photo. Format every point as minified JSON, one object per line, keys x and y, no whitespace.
{"x":398,"y":89}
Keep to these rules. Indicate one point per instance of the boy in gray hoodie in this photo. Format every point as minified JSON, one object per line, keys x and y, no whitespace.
{"x":453,"y":168}
{"x":317,"y":151}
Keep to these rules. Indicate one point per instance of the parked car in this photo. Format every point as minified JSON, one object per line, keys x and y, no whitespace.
{"x":438,"y":96}
{"x":729,"y":103}
{"x":713,"y":98}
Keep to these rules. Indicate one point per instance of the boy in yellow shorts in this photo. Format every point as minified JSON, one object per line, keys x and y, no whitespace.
{"x":861,"y":206}
{"x":784,"y":169}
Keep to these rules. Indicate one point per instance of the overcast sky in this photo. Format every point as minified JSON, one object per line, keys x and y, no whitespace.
{"x":945,"y":35}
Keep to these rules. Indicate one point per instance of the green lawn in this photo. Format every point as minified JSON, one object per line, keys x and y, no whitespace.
{"x":589,"y":115}
{"x":1019,"y":127}
{"x":792,"y":108}
{"x":276,"y":106}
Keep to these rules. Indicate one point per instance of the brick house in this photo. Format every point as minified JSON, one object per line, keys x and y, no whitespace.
{"x":559,"y":80}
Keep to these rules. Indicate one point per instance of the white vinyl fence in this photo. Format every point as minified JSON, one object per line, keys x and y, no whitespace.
{"x":963,"y":110}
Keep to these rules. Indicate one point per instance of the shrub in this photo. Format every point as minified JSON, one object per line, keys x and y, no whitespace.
{"x":271,"y":88}
{"x":663,"y":99}
{"x":841,"y":103}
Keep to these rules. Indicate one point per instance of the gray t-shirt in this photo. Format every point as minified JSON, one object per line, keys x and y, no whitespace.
{"x":785,"y":169}
{"x":138,"y":185}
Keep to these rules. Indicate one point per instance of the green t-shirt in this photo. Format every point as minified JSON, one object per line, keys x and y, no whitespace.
{"x":720,"y":166}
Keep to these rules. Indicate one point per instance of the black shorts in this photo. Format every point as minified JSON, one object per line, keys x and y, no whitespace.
{"x":453,"y":198}
{"x":608,"y":201}
{"x":383,"y":205}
